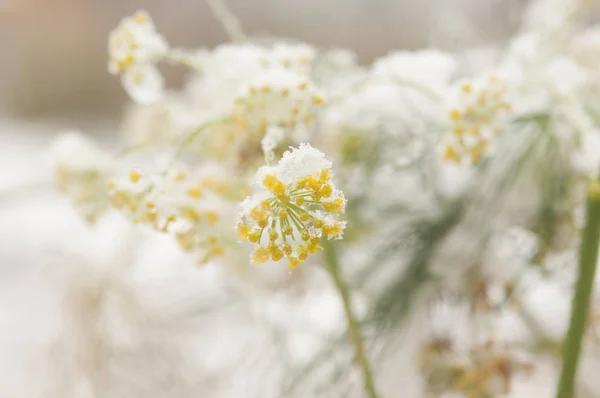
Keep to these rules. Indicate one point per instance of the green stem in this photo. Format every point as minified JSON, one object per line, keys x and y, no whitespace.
{"x":331,"y":264}
{"x":190,"y":137}
{"x":588,"y":254}
{"x":183,"y":58}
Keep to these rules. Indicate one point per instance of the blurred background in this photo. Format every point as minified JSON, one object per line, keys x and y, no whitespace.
{"x":54,"y":52}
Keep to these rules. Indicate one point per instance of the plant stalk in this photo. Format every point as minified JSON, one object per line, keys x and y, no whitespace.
{"x":580,"y":307}
{"x":331,"y":264}
{"x":228,"y":19}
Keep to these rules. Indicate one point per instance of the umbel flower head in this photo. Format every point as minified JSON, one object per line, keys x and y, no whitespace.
{"x":477,"y":118}
{"x":278,"y":97}
{"x":134,"y":47}
{"x":297,"y":205}
{"x":190,"y":206}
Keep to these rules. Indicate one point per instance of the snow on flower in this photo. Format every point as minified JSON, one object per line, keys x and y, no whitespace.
{"x":194,"y":207}
{"x":277,"y":98}
{"x":297,"y":205}
{"x":134,"y":47}
{"x":465,"y":360}
{"x":476,"y":118}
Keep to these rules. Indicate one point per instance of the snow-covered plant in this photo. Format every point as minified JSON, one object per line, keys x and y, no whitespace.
{"x":443,"y":197}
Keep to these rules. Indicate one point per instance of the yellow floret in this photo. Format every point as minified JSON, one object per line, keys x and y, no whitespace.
{"x":261,"y":255}
{"x":326,"y":191}
{"x":276,"y":254}
{"x":455,"y":114}
{"x":254,"y":236}
{"x":212,"y":217}
{"x":194,"y":192}
{"x":140,"y":18}
{"x":451,"y":155}
{"x":243,"y":230}
{"x":302,"y":253}
{"x":312,"y":248}
{"x":258,"y":214}
{"x":334,"y":207}
{"x":324,"y":176}
{"x":134,"y":176}
{"x":294,"y":262}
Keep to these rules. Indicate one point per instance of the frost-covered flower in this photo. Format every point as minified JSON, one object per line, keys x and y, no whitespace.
{"x":477,"y":116}
{"x":196,"y":208}
{"x":460,"y":355}
{"x":449,"y":327}
{"x":224,"y":70}
{"x":296,"y":206}
{"x":135,"y":41}
{"x":277,"y":98}
{"x":81,"y":171}
{"x":134,"y":47}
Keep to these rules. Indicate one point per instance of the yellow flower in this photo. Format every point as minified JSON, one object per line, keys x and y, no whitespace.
{"x":305,"y":208}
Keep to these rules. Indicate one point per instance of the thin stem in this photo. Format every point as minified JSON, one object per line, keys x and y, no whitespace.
{"x":331,"y":264}
{"x":588,"y":253}
{"x":228,"y":19}
{"x":132,"y":149}
{"x":183,"y":58}
{"x":190,"y":137}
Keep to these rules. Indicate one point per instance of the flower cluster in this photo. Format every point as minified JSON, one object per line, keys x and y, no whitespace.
{"x":461,"y":356}
{"x":296,"y":207}
{"x":134,"y":47}
{"x":193,"y":207}
{"x":476,"y":119}
{"x":277,"y":98}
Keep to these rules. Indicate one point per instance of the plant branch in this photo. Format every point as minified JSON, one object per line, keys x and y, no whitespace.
{"x":331,"y":264}
{"x":588,"y":254}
